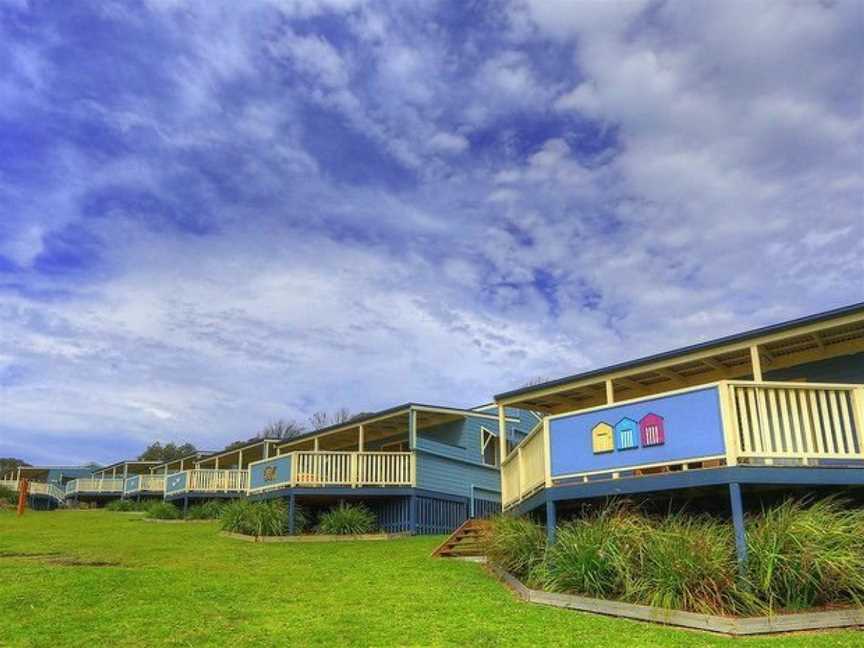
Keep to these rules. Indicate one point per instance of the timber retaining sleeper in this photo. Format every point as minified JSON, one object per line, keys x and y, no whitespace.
{"x":737,"y":626}
{"x":314,"y":538}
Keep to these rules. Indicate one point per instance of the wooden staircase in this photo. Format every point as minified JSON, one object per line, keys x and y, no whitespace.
{"x":465,"y":541}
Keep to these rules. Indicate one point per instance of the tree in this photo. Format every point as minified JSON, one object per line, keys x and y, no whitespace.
{"x":169,"y":452}
{"x":281,"y":429}
{"x":8,"y":464}
{"x":322,"y":419}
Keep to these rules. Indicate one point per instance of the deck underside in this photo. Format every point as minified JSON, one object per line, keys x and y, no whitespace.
{"x":691,"y":481}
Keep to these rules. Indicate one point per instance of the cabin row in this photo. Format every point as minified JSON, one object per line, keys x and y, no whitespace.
{"x":766,"y":413}
{"x":420,"y":468}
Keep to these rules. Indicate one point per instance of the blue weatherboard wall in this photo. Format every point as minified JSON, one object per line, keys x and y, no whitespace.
{"x":449,"y":459}
{"x":693,"y":429}
{"x":175,"y":482}
{"x":259,"y":471}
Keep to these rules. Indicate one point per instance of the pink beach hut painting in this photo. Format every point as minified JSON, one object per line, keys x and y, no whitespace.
{"x":651,"y":430}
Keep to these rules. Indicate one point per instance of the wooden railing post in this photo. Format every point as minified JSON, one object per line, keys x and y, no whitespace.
{"x":858,"y":416}
{"x":729,"y":420}
{"x":521,"y":471}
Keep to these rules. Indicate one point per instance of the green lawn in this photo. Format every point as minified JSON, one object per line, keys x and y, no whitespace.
{"x":184,"y":585}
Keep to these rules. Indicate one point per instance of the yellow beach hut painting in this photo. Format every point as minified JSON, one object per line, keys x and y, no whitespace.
{"x":602,"y":438}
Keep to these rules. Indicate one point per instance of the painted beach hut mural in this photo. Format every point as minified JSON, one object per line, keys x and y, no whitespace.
{"x":626,"y":434}
{"x":602,"y":438}
{"x":652,"y":430}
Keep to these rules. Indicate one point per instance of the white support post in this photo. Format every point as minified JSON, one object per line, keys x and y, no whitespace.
{"x":216,"y":464}
{"x":412,"y":430}
{"x":240,"y":460}
{"x":315,"y":444}
{"x":547,"y":442}
{"x":610,"y":398}
{"x":756,"y":362}
{"x":360,"y":439}
{"x":502,"y":434}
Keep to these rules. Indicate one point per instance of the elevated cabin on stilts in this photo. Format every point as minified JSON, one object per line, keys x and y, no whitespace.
{"x":768,"y":413}
{"x":421,"y":469}
{"x":47,"y":484}
{"x":220,"y":475}
{"x":105,"y":484}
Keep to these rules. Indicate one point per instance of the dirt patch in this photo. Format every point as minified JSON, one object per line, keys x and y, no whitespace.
{"x":24,"y":554}
{"x":65,"y":561}
{"x":56,"y":558}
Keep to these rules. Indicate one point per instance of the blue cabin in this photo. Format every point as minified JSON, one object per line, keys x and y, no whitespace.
{"x":420,"y":468}
{"x":101,"y":485}
{"x":47,"y":484}
{"x":774,"y":411}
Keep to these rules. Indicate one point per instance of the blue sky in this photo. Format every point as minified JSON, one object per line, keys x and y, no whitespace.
{"x":215,"y":214}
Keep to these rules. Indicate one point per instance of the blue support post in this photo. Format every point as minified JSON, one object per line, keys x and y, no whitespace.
{"x":185,"y":505}
{"x":412,"y":515}
{"x":551,"y":521}
{"x":291,"y":509}
{"x":738,"y":523}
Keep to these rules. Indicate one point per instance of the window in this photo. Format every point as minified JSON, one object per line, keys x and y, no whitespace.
{"x":513,"y":439}
{"x":488,"y":447}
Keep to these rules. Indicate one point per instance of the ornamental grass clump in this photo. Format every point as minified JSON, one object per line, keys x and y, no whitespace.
{"x":516,"y":544}
{"x":804,"y":554}
{"x":347,"y":519}
{"x":163,"y":511}
{"x":260,"y":519}
{"x":209,"y":510}
{"x":688,"y":563}
{"x":596,"y":555}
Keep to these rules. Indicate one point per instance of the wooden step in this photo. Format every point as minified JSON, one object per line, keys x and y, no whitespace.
{"x":467,"y":540}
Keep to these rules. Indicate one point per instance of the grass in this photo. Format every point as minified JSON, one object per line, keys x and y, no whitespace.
{"x":184,"y":585}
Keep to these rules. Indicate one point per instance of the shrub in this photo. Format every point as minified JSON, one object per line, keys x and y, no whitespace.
{"x":209,"y":510}
{"x":8,"y":495}
{"x":517,"y":544}
{"x":121,"y":505}
{"x":347,"y":519}
{"x":163,"y":511}
{"x":802,"y":555}
{"x":268,"y":518}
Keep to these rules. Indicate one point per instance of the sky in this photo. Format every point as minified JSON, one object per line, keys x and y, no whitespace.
{"x":217,"y":214}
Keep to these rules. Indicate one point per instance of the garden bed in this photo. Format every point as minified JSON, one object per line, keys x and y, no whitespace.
{"x":181,"y":521}
{"x":738,"y":626}
{"x":317,"y":537}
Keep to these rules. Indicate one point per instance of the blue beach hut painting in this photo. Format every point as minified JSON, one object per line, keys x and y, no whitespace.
{"x":626,"y":434}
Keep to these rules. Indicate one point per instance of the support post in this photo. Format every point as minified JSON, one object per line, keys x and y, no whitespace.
{"x":291,"y":512}
{"x":315,"y":444}
{"x":412,"y":515}
{"x":412,"y":429}
{"x":361,"y":441}
{"x":551,"y":521}
{"x":756,"y":362}
{"x":610,"y":392}
{"x":240,"y":459}
{"x":738,"y":523}
{"x":185,"y":505}
{"x":502,"y":435}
